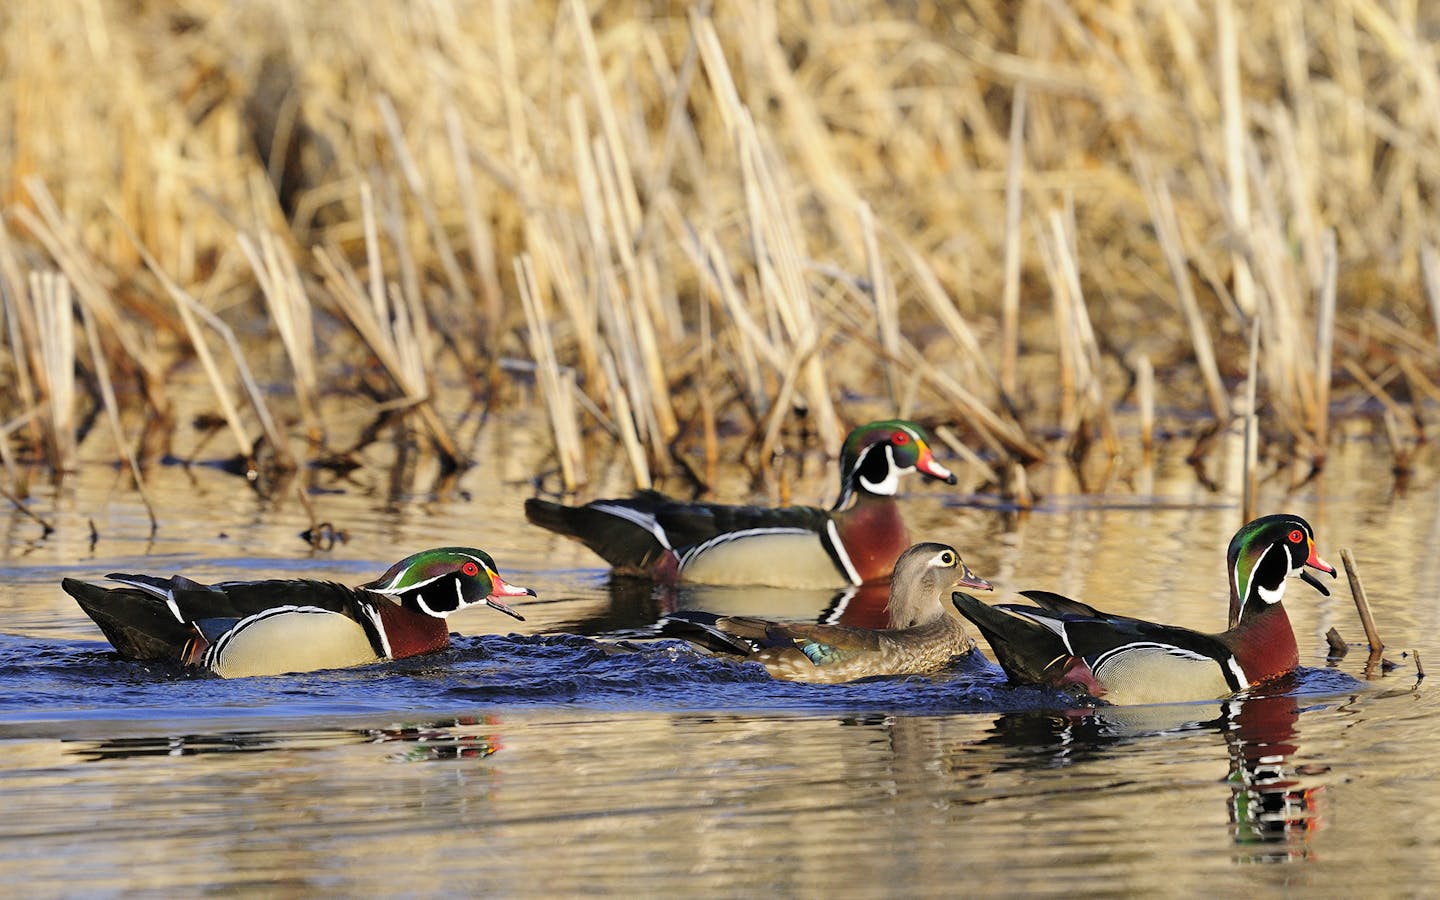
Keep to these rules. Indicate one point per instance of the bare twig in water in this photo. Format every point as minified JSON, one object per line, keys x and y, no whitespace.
{"x":320,"y":535}
{"x":1362,"y":605}
{"x":19,"y":505}
{"x":1338,"y":647}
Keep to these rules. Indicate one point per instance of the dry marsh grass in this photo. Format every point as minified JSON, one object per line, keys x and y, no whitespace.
{"x":1015,"y":221}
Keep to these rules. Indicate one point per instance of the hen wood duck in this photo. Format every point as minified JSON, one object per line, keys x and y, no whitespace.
{"x":672,"y":541}
{"x":242,"y":628}
{"x":1063,"y":642}
{"x":923,"y":635}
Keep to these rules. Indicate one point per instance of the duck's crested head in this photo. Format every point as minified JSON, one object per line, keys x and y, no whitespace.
{"x":1268,"y":550}
{"x":875,"y":455}
{"x":925,"y":576}
{"x":443,"y":580}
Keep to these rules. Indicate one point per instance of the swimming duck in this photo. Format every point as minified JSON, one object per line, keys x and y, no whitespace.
{"x":1064,"y":642}
{"x":243,"y":628}
{"x":923,"y":635}
{"x":672,"y":541}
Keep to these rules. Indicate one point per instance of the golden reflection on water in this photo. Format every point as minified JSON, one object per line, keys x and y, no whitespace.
{"x":564,"y":800}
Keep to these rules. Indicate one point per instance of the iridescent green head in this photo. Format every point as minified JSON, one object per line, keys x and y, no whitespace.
{"x":438,"y":582}
{"x":1263,"y":554}
{"x":876,"y":455}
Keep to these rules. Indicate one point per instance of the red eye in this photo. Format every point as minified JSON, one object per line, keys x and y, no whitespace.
{"x":900,"y":437}
{"x":470,"y":569}
{"x":1297,"y":536}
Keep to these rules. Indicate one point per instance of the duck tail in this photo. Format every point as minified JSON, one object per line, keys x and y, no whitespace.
{"x":702,"y":629}
{"x":623,"y":533}
{"x":137,"y":624}
{"x":1028,"y":650}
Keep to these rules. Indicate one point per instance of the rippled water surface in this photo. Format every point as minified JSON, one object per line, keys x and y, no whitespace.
{"x":580,"y":755}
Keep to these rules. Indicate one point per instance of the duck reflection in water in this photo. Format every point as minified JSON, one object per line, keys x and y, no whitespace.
{"x":1274,"y":805}
{"x":866,"y":606}
{"x":455,"y":738}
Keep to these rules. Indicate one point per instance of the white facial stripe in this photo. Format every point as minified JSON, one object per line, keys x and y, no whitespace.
{"x":891,"y":482}
{"x":391,"y":587}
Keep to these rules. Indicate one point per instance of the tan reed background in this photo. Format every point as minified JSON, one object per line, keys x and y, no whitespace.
{"x":695,"y":231}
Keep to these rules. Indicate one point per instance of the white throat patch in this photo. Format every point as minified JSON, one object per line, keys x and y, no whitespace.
{"x":1272,"y":596}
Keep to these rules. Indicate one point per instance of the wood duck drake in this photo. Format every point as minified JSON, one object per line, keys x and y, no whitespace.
{"x":242,"y":628}
{"x":923,"y":635}
{"x":672,"y":541}
{"x":1067,"y":643}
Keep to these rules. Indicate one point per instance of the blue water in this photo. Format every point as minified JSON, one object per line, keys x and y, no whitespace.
{"x":584,"y":754}
{"x":78,"y":681}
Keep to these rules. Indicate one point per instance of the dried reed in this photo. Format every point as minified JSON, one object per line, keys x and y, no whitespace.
{"x":1145,"y":394}
{"x":1325,"y":345}
{"x":557,"y":388}
{"x":112,"y":413}
{"x":780,"y":208}
{"x":1250,"y":475}
{"x":1010,"y":298}
{"x":55,"y":327}
{"x":290,"y":310}
{"x":191,"y":312}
